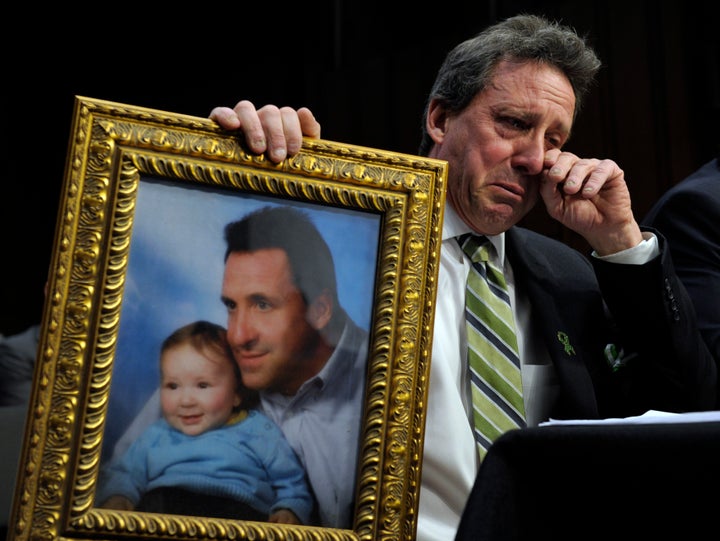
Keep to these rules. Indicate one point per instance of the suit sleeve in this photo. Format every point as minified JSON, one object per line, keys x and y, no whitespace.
{"x":673,"y":369}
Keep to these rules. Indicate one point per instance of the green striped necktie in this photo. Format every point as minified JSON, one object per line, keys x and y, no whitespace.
{"x":493,"y":357}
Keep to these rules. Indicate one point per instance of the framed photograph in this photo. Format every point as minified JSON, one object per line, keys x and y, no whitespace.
{"x":323,"y":266}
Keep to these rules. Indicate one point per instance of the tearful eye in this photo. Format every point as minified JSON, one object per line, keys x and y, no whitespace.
{"x":515,"y":123}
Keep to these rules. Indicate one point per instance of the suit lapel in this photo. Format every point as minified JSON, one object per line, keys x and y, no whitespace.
{"x":555,"y":313}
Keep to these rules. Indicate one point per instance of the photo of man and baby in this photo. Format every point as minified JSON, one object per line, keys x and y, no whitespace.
{"x":243,"y":335}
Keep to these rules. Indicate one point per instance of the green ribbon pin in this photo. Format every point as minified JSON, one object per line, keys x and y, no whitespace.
{"x":565,"y":341}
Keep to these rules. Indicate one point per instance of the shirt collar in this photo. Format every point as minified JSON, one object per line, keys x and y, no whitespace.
{"x":453,"y":226}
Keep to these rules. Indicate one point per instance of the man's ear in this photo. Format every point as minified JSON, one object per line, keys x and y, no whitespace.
{"x":320,"y":311}
{"x":436,"y":121}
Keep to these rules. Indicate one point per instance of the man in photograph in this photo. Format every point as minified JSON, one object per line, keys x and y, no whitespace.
{"x":296,"y":345}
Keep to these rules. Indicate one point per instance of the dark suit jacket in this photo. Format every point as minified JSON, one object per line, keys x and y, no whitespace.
{"x":688,"y":215}
{"x":668,"y":368}
{"x":653,"y":320}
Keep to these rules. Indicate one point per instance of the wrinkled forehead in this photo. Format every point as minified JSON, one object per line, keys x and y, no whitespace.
{"x":532,"y":88}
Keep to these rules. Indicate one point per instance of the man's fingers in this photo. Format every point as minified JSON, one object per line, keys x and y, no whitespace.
{"x":291,"y":129}
{"x":582,"y":176}
{"x":243,"y":117}
{"x":606,"y":171}
{"x":310,"y":126}
{"x":226,"y":117}
{"x":276,"y":131}
{"x":256,"y":128}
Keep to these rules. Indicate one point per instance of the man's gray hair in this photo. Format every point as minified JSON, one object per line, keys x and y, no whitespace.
{"x":469,"y":67}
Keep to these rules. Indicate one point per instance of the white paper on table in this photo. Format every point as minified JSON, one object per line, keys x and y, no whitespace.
{"x":649,"y":417}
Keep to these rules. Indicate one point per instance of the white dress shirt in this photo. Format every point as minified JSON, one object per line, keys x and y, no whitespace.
{"x":322,"y":423}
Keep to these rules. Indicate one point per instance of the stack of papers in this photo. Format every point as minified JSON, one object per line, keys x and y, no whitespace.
{"x":648,"y":417}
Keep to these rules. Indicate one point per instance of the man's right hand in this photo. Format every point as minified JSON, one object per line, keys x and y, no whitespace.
{"x":277,"y":131}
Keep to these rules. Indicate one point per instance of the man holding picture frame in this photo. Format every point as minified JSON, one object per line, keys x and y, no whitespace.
{"x":608,"y":335}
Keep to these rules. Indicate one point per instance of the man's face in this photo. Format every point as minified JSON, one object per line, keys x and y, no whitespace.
{"x":496,"y":146}
{"x":268,"y":329}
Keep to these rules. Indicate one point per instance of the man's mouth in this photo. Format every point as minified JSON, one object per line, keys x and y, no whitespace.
{"x":514,"y":189}
{"x":248,"y":360}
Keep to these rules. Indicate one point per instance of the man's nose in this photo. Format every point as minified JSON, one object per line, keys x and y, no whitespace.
{"x":530,"y":156}
{"x":240,"y":329}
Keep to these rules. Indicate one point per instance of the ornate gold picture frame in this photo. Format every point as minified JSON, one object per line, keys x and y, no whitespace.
{"x":130,"y":172}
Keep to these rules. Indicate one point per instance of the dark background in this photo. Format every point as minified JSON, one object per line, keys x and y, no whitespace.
{"x":364,"y":68}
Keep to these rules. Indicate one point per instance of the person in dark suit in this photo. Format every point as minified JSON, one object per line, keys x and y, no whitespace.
{"x":612,"y":334}
{"x":688,"y":216}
